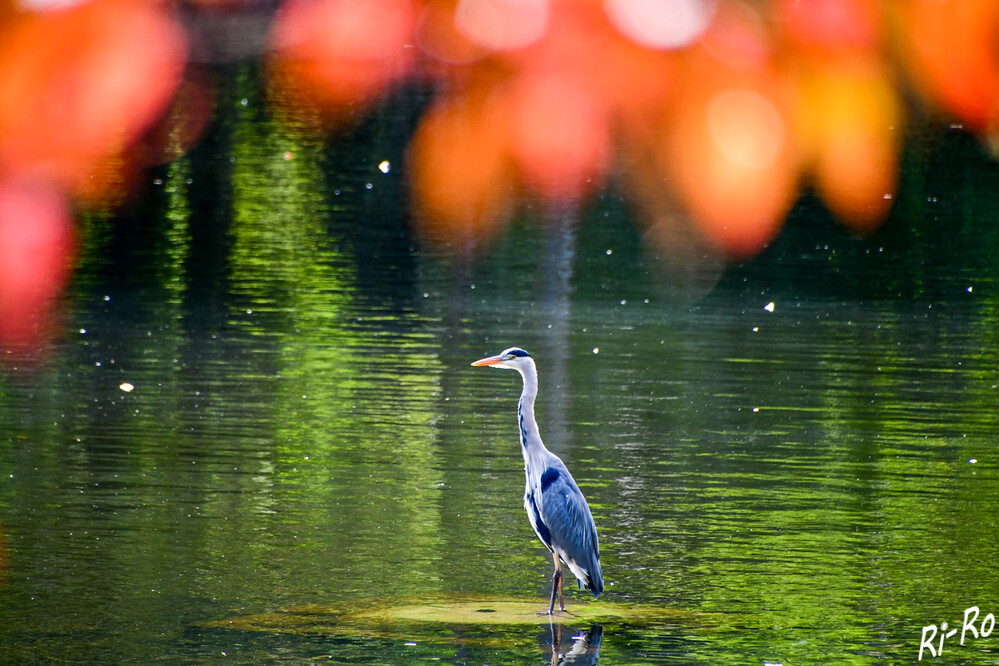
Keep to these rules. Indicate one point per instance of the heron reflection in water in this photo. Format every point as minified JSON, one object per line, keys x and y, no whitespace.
{"x":585,"y":648}
{"x":556,"y":508}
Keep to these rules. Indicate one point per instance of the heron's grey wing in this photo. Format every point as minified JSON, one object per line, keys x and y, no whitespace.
{"x":534,"y":515}
{"x":570,"y":526}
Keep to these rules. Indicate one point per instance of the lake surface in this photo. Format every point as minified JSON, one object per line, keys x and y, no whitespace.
{"x":795,"y":457}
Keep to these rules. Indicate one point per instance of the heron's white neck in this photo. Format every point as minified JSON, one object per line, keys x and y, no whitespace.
{"x":530,"y":438}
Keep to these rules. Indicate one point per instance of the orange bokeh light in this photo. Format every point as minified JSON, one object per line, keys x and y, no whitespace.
{"x":731,"y":160}
{"x":951,"y":47}
{"x":829,"y":25}
{"x":438,"y":36}
{"x":848,"y":116}
{"x":461,"y":176}
{"x":502,"y":25}
{"x":331,"y":54}
{"x":737,"y":38}
{"x":559,"y":136}
{"x":80,"y":84}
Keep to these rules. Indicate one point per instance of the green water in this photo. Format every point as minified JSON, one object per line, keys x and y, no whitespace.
{"x":813,"y":484}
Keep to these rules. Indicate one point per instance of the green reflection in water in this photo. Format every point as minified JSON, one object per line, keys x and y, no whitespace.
{"x":351,"y":394}
{"x":177,"y":218}
{"x":305,"y":430}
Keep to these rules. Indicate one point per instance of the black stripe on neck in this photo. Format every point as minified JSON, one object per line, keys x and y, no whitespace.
{"x":523,"y":430}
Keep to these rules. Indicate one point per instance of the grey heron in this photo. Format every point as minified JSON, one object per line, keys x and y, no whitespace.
{"x":556,"y":508}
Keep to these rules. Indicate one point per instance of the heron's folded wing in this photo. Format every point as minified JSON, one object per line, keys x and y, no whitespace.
{"x":567,"y":517}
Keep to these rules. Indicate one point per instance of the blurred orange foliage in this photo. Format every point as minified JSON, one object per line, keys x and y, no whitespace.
{"x":950,"y":47}
{"x":848,"y":113}
{"x":709,"y":114}
{"x":462,"y":176}
{"x":731,"y":106}
{"x":80,"y":86}
{"x":332,"y":54}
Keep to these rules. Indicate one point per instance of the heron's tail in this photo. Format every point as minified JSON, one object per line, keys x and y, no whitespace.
{"x":596,"y":580}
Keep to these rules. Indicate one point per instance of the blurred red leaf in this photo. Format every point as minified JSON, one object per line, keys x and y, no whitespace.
{"x":36,"y":247}
{"x":829,"y":25}
{"x":438,"y":36}
{"x":559,"y":136}
{"x":80,"y":84}
{"x":334,"y":53}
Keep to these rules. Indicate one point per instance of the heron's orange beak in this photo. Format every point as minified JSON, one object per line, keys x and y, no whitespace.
{"x":491,"y":360}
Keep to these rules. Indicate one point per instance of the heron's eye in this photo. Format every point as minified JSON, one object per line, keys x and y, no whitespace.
{"x":508,"y":357}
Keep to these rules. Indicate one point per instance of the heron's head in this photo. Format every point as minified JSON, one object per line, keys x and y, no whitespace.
{"x":513,"y":358}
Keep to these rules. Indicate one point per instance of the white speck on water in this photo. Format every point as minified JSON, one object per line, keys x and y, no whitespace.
{"x":107,"y":298}
{"x":756,"y":329}
{"x":126,"y":387}
{"x":769,"y":307}
{"x":969,"y":290}
{"x":369,"y":185}
{"x":384,"y":166}
{"x":596,"y":350}
{"x":610,"y":252}
{"x":410,"y":643}
{"x":83,"y":331}
{"x":244,"y":101}
{"x":972,"y":460}
{"x":756,"y":409}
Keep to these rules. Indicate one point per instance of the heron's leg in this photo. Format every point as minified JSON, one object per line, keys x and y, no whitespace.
{"x":556,"y":584}
{"x":561,"y":598}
